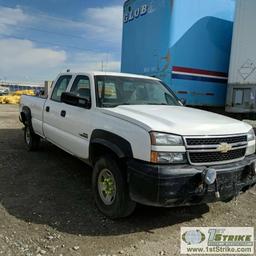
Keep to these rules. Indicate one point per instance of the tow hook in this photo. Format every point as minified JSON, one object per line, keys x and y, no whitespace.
{"x":217,"y":193}
{"x":209,"y":176}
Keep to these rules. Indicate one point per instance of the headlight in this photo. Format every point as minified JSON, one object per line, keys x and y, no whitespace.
{"x":251,"y":143}
{"x":251,"y":135}
{"x":168,"y":157}
{"x":161,"y":139}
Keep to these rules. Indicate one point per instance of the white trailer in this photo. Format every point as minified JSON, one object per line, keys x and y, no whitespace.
{"x":241,"y":94}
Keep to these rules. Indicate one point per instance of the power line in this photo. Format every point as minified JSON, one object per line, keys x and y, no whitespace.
{"x":50,"y":43}
{"x":43,"y":30}
{"x":39,"y":13}
{"x":56,"y":44}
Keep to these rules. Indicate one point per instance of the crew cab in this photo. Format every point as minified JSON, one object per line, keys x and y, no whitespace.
{"x":143,"y":144}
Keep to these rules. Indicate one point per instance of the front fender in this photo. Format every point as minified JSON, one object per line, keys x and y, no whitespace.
{"x":115,"y":143}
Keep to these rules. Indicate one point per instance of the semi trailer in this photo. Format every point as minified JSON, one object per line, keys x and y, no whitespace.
{"x":241,"y":94}
{"x":202,"y":49}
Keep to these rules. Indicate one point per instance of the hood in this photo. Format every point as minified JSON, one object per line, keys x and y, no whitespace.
{"x":178,"y":120}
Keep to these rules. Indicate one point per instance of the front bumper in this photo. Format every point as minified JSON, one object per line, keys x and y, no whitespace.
{"x":177,"y":185}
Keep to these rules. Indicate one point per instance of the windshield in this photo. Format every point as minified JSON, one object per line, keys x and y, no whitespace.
{"x":113,"y":91}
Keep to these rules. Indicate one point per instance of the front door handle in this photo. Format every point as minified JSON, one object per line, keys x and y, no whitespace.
{"x":63,"y":113}
{"x":47,"y":109}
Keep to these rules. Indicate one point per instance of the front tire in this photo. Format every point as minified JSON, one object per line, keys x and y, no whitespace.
{"x":31,"y":139}
{"x":111,"y":189}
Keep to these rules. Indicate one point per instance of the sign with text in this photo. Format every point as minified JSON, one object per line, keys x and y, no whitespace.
{"x":217,"y":240}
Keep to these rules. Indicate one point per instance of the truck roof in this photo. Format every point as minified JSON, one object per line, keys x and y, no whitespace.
{"x":102,"y":73}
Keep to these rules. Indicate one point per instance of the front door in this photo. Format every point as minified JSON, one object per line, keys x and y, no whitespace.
{"x":75,"y":122}
{"x":53,"y":117}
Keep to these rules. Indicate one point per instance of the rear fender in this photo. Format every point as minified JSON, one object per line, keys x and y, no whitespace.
{"x":25,"y":116}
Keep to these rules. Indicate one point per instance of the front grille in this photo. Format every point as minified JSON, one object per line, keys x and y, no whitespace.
{"x":215,"y":140}
{"x":208,"y":150}
{"x":213,"y":157}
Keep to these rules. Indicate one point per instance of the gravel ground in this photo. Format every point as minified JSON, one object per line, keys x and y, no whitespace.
{"x":46,"y":207}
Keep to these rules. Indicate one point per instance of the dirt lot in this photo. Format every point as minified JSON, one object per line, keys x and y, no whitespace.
{"x":46,"y":207}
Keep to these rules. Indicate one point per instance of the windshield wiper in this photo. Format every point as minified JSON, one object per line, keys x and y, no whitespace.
{"x":106,"y":105}
{"x":158,"y":104}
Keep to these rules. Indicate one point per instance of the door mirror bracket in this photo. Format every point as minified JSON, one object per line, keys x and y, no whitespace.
{"x":72,"y":99}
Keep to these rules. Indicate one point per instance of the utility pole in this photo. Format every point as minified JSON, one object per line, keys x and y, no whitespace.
{"x":102,"y":65}
{"x":107,"y":61}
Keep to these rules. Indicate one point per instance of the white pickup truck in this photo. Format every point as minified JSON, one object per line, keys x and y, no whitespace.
{"x":143,"y":144}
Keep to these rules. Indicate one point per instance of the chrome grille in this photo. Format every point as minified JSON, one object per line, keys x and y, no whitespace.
{"x":207,"y":150}
{"x":212,"y":157}
{"x":215,"y":141}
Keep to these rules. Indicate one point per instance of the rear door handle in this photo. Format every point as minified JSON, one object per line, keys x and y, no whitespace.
{"x":47,"y":109}
{"x":63,"y":113}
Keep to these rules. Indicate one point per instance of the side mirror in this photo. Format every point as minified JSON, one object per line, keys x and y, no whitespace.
{"x":71,"y":99}
{"x":183,"y":101}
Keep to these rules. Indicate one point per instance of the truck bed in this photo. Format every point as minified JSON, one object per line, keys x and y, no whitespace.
{"x":36,"y":105}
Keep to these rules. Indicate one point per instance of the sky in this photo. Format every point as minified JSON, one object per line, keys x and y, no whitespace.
{"x":39,"y":39}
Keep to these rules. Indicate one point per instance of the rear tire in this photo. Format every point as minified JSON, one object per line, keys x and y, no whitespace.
{"x":31,"y":139}
{"x":110,"y":189}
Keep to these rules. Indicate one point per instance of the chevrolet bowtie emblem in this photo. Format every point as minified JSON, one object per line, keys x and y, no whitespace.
{"x":224,"y":147}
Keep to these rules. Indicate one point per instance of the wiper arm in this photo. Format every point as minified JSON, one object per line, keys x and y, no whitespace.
{"x":115,"y":105}
{"x":109,"y":105}
{"x":150,"y":103}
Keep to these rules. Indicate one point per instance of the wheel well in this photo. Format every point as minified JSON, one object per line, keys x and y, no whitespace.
{"x":97,"y":150}
{"x":25,"y":115}
{"x":103,"y":142}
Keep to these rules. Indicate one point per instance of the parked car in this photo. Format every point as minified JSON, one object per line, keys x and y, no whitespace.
{"x":143,"y":144}
{"x":4,"y":91}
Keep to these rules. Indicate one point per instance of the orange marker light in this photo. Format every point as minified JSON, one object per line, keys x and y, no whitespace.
{"x":154,"y":157}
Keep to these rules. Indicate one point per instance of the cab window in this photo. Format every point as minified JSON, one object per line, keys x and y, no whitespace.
{"x":81,"y":87}
{"x":60,"y":87}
